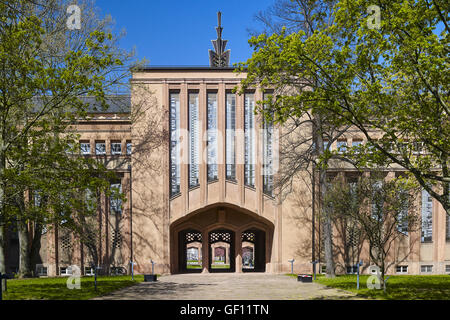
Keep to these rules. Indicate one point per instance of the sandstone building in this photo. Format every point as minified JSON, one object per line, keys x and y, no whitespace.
{"x":197,"y":167}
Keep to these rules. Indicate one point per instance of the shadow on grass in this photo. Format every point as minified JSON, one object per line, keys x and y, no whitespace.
{"x":56,"y":288}
{"x":398,"y":287}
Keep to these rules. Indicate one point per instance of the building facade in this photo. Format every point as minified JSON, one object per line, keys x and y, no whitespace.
{"x":197,"y":166}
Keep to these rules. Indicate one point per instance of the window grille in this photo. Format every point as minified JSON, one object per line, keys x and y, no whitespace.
{"x":116,"y":239}
{"x":248,"y":236}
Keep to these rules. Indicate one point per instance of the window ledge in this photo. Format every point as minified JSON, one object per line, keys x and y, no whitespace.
{"x":194,"y":187}
{"x":270,"y":196}
{"x":172,"y":197}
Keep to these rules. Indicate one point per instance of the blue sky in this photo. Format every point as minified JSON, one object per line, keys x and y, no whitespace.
{"x":179,"y":32}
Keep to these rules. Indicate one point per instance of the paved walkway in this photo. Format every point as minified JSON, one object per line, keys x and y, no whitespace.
{"x":231,"y":286}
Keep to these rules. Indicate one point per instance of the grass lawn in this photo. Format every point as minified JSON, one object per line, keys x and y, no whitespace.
{"x":220,"y":266}
{"x":404,"y":287}
{"x":56,"y":288}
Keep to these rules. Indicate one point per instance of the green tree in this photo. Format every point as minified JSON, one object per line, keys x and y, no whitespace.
{"x":388,"y":80}
{"x":381,"y":210}
{"x":40,"y":89}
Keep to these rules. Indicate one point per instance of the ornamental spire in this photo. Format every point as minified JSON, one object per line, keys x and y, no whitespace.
{"x":219,"y":57}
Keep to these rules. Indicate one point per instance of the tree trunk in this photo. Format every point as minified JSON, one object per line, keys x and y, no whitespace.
{"x":327,"y":229}
{"x":327,"y":226}
{"x":2,"y":249}
{"x":24,"y":250}
{"x":328,"y":246}
{"x":2,"y":213}
{"x":382,"y":282}
{"x":35,"y":257}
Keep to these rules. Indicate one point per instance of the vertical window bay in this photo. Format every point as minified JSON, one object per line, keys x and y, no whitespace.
{"x":174,"y":143}
{"x":249,"y":140}
{"x":194,"y":140}
{"x":267,"y":155}
{"x":230,"y":136}
{"x":427,"y":217}
{"x":212,"y":137}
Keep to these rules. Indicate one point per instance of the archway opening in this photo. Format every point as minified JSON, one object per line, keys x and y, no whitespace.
{"x":191,"y":251}
{"x":221,"y":251}
{"x":253,"y":250}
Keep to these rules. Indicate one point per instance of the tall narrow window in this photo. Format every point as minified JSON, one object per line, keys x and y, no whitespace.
{"x":403,"y":215}
{"x":249,"y":139}
{"x":267,"y":155}
{"x":174,"y":144}
{"x":377,"y":200}
{"x":212,"y":137}
{"x":325,"y":145}
{"x":427,"y":217}
{"x":447,"y":229}
{"x":342,"y":146}
{"x":356,"y":143}
{"x":194,"y":141}
{"x":230,"y":136}
{"x":129,"y":145}
{"x":115,"y":200}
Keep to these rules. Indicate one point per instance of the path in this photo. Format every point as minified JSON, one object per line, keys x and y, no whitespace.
{"x":228,"y":286}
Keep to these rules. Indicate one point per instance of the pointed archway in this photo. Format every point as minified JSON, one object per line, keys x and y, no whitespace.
{"x":190,"y":251}
{"x":221,"y":238}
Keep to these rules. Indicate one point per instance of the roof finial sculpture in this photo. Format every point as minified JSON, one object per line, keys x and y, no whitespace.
{"x":219,"y":57}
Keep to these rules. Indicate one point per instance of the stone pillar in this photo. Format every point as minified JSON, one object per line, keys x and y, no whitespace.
{"x":205,"y":252}
{"x":240,"y":147}
{"x":166,"y":188}
{"x":238,"y":251}
{"x":439,"y":239}
{"x":203,"y":168}
{"x":259,"y":150}
{"x":221,"y":134}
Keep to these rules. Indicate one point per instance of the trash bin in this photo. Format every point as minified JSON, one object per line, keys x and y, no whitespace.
{"x":304,"y":278}
{"x":149,"y":277}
